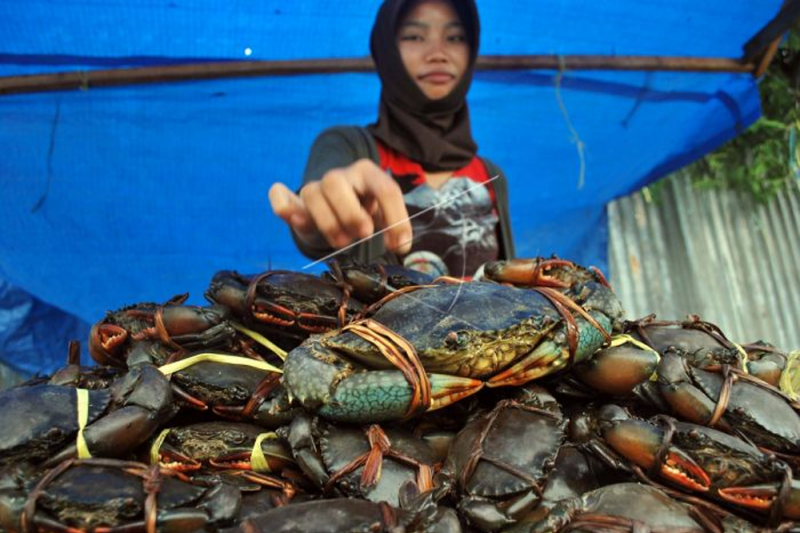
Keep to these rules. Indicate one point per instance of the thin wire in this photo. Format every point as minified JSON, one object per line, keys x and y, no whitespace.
{"x":415,"y":215}
{"x":575,"y":137}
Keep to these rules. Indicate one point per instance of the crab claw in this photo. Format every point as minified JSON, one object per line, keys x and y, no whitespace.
{"x":549,"y":356}
{"x":639,"y":442}
{"x":761,"y":498}
{"x":385,"y":395}
{"x":527,"y":272}
{"x":106,"y":342}
{"x":174,"y":460}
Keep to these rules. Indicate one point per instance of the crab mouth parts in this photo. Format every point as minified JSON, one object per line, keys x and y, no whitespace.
{"x":750,"y":498}
{"x":685,"y":473}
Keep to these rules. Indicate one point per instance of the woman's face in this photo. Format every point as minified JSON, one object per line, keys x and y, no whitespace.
{"x":433,"y":45}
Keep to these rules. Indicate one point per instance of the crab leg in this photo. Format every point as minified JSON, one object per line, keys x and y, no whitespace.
{"x":550,"y":356}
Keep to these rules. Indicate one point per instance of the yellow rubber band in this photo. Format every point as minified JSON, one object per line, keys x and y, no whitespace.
{"x":258,"y":462}
{"x":83,"y":418}
{"x":790,"y":378}
{"x":155,"y":449}
{"x":742,"y":357}
{"x":217,"y":358}
{"x":619,"y":340}
{"x":261,"y":339}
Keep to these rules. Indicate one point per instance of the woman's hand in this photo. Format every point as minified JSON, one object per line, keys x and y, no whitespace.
{"x":346,"y":205}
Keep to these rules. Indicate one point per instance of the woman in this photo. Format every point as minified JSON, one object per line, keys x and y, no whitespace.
{"x":419,"y":160}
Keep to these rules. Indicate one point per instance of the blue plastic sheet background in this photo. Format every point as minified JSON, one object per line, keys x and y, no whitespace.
{"x":115,"y":196}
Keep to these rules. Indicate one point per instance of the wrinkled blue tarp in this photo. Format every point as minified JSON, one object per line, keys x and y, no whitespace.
{"x":114,"y":196}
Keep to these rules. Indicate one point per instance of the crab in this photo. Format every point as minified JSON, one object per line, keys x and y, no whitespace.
{"x":231,"y":386}
{"x":447,"y":341}
{"x":46,"y":423}
{"x":290,"y":304}
{"x":622,"y":507}
{"x":112,"y":495}
{"x":699,"y":460}
{"x":496,"y":479}
{"x":367,"y":463}
{"x":222,"y":445}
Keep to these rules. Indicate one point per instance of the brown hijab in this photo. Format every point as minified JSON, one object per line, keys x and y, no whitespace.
{"x":435,"y":133}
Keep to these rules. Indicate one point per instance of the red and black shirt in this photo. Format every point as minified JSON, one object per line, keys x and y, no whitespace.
{"x":454,"y":226}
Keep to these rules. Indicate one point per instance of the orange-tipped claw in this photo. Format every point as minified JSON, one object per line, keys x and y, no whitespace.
{"x":177,"y":461}
{"x":528,"y":272}
{"x":681,"y":470}
{"x":446,"y":390}
{"x":105,"y":343}
{"x":757,"y":498}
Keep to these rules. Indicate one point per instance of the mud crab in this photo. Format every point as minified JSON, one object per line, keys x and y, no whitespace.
{"x":623,"y":507}
{"x":106,"y":494}
{"x":232,"y":387}
{"x":50,"y":423}
{"x":496,"y":479}
{"x":703,"y":461}
{"x":370,"y":283}
{"x":446,"y":340}
{"x":342,"y":514}
{"x":221,"y":445}
{"x":371,"y":464}
{"x":284,"y":302}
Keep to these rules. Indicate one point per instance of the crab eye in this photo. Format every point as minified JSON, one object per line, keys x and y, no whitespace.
{"x":456,"y":340}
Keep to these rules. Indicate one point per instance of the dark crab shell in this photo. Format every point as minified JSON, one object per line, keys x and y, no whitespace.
{"x":37,"y":420}
{"x":529,"y":441}
{"x":322,"y":449}
{"x":754,"y":411}
{"x":207,"y":441}
{"x":91,"y":495}
{"x":341,"y":514}
{"x":651,"y":508}
{"x":340,"y":445}
{"x":471,"y":329}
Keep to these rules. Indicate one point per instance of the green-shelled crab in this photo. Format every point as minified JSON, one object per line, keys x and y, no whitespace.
{"x":424,"y":348}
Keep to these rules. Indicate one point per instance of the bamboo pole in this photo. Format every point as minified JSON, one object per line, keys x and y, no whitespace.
{"x":237,"y":69}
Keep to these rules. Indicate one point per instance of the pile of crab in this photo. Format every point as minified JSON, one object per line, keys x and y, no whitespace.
{"x":372,"y":398}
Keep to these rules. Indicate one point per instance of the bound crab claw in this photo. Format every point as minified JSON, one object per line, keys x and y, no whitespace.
{"x":346,"y":391}
{"x":224,"y":446}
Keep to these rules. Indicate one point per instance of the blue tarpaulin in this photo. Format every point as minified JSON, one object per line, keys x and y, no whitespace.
{"x":119,"y":195}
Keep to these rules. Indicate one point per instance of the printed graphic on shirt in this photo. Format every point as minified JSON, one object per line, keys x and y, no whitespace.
{"x":459,"y":234}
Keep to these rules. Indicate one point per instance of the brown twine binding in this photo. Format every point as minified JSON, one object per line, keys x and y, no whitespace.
{"x":563,"y":304}
{"x":728,"y":378}
{"x":778,"y":507}
{"x":663,"y":448}
{"x":372,"y":461}
{"x":402,"y":355}
{"x":477,"y":453}
{"x":151,"y":481}
{"x":152,"y":485}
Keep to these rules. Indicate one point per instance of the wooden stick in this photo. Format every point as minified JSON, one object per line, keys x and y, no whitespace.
{"x":239,"y":69}
{"x":775,"y":28}
{"x":766,"y":59}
